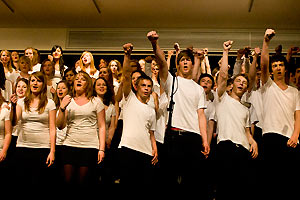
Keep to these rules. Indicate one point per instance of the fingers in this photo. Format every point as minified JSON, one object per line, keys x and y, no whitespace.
{"x":152,"y":36}
{"x":128,"y":48}
{"x":101,"y":156}
{"x":291,"y":143}
{"x":227,"y":45}
{"x":269,"y":34}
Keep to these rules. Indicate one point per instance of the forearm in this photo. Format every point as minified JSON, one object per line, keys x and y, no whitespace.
{"x":296,"y":131}
{"x":264,"y":62}
{"x":160,"y":55}
{"x":202,"y":127}
{"x":207,"y":65}
{"x":237,"y":67}
{"x":223,"y":74}
{"x":102,"y":138}
{"x":60,"y":119}
{"x":52,"y":139}
{"x":252,"y":73}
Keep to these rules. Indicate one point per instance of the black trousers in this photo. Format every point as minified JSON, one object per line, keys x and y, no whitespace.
{"x":233,"y":171}
{"x":184,"y":164}
{"x":281,"y":165}
{"x":136,"y":167}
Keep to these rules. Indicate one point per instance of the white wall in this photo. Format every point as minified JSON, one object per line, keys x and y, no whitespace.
{"x":113,"y":39}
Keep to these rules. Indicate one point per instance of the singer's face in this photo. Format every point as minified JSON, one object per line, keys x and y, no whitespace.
{"x":185,"y":66}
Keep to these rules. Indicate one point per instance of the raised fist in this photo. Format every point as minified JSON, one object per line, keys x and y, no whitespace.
{"x":128,"y":48}
{"x":269,"y":34}
{"x":227,"y":45}
{"x":176,"y":47}
{"x":256,"y":51}
{"x":199,"y":53}
{"x":152,"y":36}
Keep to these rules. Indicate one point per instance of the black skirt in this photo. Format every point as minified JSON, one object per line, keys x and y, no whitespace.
{"x":80,"y":157}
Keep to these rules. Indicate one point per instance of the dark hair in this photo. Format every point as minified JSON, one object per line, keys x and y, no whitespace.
{"x":278,"y":58}
{"x":2,"y":75}
{"x":61,"y":60}
{"x":55,"y":98}
{"x":136,"y":71}
{"x":209,"y":76}
{"x":185,"y":53}
{"x":143,"y":77}
{"x":109,"y":96}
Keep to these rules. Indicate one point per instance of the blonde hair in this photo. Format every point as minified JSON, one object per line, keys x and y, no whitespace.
{"x":9,"y":66}
{"x":36,"y":57}
{"x":27,"y":60}
{"x":119,"y":70}
{"x":92,"y":64}
{"x":43,"y":100}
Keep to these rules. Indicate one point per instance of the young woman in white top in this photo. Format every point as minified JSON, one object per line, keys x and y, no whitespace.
{"x":84,"y":145}
{"x":87,"y":65}
{"x":35,"y":151}
{"x":105,"y":92}
{"x":34,"y":57}
{"x":5,"y":85}
{"x":5,"y":131}
{"x":235,"y":143}
{"x":57,"y":58}
{"x":116,"y":69}
{"x":47,"y":68}
{"x":24,"y":67}
{"x":138,"y":145}
{"x":10,"y":73}
{"x":20,"y":91}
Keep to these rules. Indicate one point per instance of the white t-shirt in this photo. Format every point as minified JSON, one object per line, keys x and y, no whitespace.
{"x":82,"y":124}
{"x":161,"y":118}
{"x":34,"y":127}
{"x":233,"y":118}
{"x":138,"y":119}
{"x":255,"y":98}
{"x":4,"y":116}
{"x":88,"y":70}
{"x":279,"y":107}
{"x":210,"y":111}
{"x":188,"y":98}
{"x":8,"y":90}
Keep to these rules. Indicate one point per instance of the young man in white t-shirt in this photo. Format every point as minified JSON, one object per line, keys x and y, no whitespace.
{"x":138,"y":145}
{"x":281,"y":120}
{"x":186,"y":142}
{"x":235,"y":142}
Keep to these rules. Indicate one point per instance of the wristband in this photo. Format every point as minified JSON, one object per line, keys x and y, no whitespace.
{"x":62,"y":109}
{"x":102,"y":150}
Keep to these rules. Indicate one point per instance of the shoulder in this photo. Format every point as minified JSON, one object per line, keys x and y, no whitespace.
{"x":51,"y":104}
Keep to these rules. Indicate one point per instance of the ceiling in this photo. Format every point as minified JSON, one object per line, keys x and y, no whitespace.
{"x":223,"y":14}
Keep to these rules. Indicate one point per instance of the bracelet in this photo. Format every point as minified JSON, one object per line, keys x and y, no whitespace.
{"x":102,"y":150}
{"x":62,"y":109}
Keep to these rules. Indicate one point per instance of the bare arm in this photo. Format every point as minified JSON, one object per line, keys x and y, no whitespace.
{"x":7,"y":139}
{"x":265,"y":55}
{"x":203,"y":132}
{"x":154,"y":148}
{"x":293,"y":141}
{"x":253,"y":144}
{"x":160,"y":55}
{"x":52,"y":133}
{"x":101,"y":134}
{"x":61,"y":119}
{"x":127,"y":69}
{"x":252,"y":70}
{"x":223,"y":74}
{"x":198,"y":58}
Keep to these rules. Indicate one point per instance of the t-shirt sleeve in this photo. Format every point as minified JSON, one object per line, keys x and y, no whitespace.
{"x":248,"y":123}
{"x":98,"y":105}
{"x":168,"y":84}
{"x":51,"y":105}
{"x":153,"y":121}
{"x":298,"y":101}
{"x":201,"y":102}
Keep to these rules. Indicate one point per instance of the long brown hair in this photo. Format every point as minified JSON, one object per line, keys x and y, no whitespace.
{"x":43,"y":100}
{"x":89,"y":86}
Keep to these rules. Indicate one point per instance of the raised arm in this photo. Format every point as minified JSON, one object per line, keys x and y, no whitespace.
{"x":160,"y":55}
{"x":61,"y":119}
{"x":252,"y":70}
{"x":223,"y":74}
{"x":198,"y":58}
{"x":265,"y":55}
{"x":127,"y":69}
